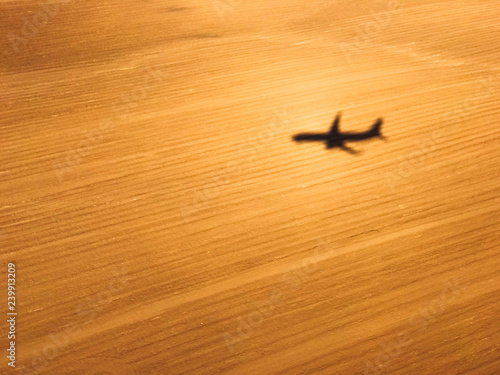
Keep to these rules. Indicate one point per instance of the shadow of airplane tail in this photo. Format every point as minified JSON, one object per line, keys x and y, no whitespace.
{"x":375,"y":130}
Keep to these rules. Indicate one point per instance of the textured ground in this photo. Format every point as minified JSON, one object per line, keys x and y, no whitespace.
{"x":162,"y":221}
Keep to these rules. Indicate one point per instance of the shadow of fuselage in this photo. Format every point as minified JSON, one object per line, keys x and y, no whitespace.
{"x":334,"y":138}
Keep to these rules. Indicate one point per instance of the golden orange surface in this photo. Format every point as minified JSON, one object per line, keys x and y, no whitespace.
{"x":160,"y":219}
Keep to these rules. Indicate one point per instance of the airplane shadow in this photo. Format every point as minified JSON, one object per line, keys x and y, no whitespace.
{"x":337,"y":139}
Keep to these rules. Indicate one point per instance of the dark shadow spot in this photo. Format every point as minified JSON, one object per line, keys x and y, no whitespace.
{"x":336,"y":139}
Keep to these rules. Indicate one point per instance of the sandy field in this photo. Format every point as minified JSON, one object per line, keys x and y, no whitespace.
{"x":157,"y":217}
